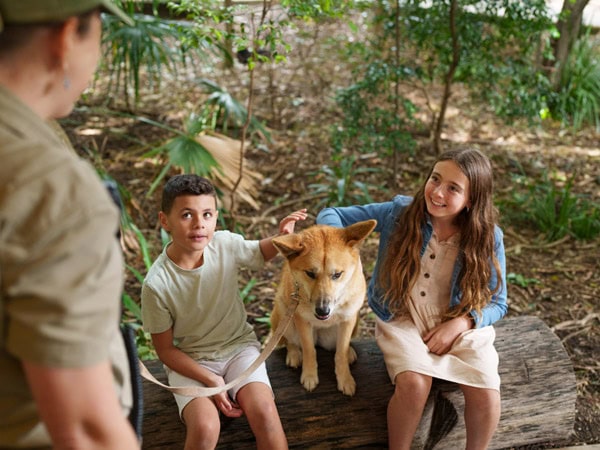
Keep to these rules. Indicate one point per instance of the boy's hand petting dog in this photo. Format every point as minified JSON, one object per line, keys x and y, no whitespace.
{"x":288,"y":223}
{"x":439,"y":339}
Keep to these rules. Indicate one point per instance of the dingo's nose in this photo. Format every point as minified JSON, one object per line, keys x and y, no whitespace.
{"x":322,"y":312}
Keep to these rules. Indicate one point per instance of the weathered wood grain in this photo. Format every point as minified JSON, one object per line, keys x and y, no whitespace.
{"x":538,"y":400}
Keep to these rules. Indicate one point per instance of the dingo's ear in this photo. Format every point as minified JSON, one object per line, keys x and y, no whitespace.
{"x":289,"y":245}
{"x":357,"y":232}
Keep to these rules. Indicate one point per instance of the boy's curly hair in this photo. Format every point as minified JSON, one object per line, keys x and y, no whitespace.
{"x":187,"y":184}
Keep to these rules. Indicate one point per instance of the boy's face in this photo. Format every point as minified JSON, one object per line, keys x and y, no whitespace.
{"x":191,"y":223}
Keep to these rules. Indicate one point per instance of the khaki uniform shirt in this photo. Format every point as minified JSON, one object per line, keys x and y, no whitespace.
{"x":61,"y":268}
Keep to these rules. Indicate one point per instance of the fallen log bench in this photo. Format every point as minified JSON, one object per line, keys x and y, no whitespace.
{"x":538,"y":400}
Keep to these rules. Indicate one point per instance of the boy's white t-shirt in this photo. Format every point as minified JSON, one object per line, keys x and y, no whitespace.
{"x":202,"y":305}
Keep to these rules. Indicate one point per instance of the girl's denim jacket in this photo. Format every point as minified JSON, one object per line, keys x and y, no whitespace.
{"x":386,"y":214}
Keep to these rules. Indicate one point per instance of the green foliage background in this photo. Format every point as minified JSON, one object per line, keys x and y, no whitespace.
{"x":504,"y":58}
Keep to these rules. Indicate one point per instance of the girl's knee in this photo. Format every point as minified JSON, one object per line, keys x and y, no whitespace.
{"x":489,"y":399}
{"x":413,"y":382}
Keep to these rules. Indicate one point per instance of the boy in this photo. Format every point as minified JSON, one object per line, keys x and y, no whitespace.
{"x":192,"y":309}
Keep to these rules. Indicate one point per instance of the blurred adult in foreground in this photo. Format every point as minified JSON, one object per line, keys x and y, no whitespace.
{"x":65,"y":380}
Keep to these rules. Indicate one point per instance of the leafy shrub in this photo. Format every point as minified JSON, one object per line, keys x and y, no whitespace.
{"x":339,"y":184}
{"x":520,"y":280}
{"x":554,"y":211}
{"x":369,"y":123}
{"x":578,"y":100}
{"x":145,"y":44}
{"x":221,"y":110}
{"x":154,"y":46}
{"x":498,"y":45}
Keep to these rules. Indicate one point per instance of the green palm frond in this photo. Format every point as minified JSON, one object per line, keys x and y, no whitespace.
{"x":222,"y":107}
{"x":190,"y":155}
{"x":151,"y":43}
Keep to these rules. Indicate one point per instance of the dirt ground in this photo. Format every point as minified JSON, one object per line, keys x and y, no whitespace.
{"x":558,"y":281}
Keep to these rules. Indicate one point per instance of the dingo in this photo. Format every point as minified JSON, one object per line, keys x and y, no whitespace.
{"x":323,"y":267}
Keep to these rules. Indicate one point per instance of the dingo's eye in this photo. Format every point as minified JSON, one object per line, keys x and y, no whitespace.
{"x":336,"y":275}
{"x":310,"y":274}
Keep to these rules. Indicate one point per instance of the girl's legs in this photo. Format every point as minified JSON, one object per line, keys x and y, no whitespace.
{"x":482,"y":413}
{"x":256,"y":400}
{"x":406,"y":408}
{"x":203,"y":424}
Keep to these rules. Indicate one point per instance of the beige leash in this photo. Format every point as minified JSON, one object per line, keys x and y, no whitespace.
{"x":202,"y":391}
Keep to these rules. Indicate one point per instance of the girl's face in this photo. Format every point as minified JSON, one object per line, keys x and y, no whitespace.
{"x":446,"y":191}
{"x":191,"y":223}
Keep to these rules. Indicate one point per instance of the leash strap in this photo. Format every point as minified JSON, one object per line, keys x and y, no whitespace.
{"x":203,"y":391}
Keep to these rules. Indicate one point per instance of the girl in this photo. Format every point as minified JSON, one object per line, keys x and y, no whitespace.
{"x":438,"y":284}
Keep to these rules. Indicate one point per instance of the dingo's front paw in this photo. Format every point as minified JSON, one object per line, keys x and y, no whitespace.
{"x":294,"y":357}
{"x":309,"y":380}
{"x":347,"y":385}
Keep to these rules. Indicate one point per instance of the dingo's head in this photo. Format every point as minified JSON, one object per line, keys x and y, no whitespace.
{"x":324,"y":262}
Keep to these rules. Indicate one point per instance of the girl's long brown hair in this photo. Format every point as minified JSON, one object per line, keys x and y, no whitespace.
{"x":402,"y":262}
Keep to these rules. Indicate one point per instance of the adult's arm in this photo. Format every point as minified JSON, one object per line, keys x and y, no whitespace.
{"x":76,"y":406}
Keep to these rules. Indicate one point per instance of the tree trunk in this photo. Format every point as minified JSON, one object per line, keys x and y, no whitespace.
{"x":397,"y":94}
{"x":569,"y":24}
{"x":439,"y":123}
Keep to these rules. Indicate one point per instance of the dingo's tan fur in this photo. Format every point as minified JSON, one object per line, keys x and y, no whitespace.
{"x":323,"y":266}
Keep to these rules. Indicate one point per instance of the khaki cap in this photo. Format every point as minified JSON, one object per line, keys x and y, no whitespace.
{"x":25,"y":12}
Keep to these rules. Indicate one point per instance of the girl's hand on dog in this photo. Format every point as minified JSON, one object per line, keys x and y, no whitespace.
{"x":288,"y":223}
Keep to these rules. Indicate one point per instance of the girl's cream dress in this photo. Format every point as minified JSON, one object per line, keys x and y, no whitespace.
{"x":472,"y":360}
